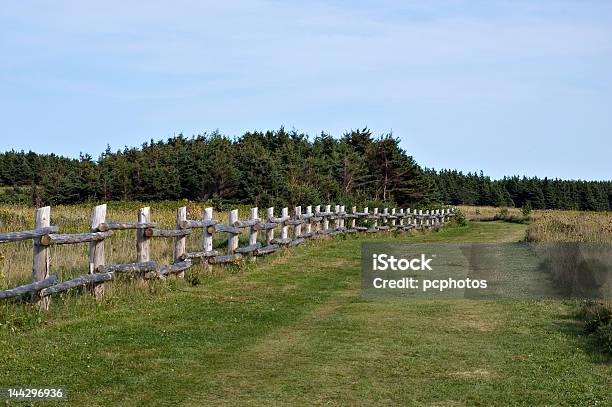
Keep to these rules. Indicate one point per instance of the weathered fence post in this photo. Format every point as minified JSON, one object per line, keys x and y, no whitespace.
{"x":420,"y":218}
{"x":317,"y":214}
{"x":232,"y":240}
{"x":375,"y":223}
{"x":393,"y":218}
{"x":326,"y":218}
{"x":207,"y":238}
{"x":96,"y":250}
{"x":308,"y":221}
{"x":40,"y":257}
{"x":285,"y":227}
{"x":269,"y":232}
{"x":401,"y":218}
{"x":143,"y":243}
{"x":385,"y":218}
{"x":341,"y":216}
{"x":253,"y":231}
{"x":297,"y":229}
{"x":366,"y":216}
{"x":337,"y":220}
{"x":354,"y":219}
{"x":179,"y":241}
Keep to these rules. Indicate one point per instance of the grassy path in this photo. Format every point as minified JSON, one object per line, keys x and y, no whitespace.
{"x":294,"y":330}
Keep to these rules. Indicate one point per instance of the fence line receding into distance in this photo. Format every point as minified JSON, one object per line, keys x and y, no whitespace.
{"x":294,"y":230}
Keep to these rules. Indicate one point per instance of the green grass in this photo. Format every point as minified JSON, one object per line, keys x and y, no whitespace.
{"x":294,"y":330}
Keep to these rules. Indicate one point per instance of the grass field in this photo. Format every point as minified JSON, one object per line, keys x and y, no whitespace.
{"x":294,"y":330}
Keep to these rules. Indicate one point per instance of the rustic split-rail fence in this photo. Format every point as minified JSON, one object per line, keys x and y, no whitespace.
{"x":294,"y":230}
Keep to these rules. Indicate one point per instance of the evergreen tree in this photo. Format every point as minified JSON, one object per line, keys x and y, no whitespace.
{"x":278,"y":168}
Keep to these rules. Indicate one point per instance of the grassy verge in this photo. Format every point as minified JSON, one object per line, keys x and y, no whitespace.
{"x":294,"y":330}
{"x":580,"y":227}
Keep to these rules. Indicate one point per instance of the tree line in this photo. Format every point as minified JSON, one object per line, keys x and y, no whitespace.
{"x":453,"y":187}
{"x":264,"y":168}
{"x":276,"y":168}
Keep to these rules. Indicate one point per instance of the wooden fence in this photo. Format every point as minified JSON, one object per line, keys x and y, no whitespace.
{"x":294,"y":230}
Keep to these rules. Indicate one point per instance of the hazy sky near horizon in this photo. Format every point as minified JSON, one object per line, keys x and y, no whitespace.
{"x":507,"y":87}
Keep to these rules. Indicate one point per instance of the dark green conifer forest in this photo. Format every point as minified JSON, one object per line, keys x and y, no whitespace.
{"x":277,"y":168}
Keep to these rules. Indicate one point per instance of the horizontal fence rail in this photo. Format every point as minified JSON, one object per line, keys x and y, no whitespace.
{"x":295,"y":229}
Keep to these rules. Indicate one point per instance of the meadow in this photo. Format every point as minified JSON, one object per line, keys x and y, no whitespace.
{"x":293,"y":328}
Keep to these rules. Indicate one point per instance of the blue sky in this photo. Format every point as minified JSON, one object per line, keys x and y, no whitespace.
{"x":509,"y":87}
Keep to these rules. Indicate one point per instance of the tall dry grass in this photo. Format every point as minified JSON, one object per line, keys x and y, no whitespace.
{"x":551,"y":225}
{"x":68,"y":261}
{"x":570,"y":226}
{"x":485,"y":213}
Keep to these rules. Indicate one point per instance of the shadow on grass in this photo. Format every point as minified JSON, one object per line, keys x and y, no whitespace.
{"x":571,"y":326}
